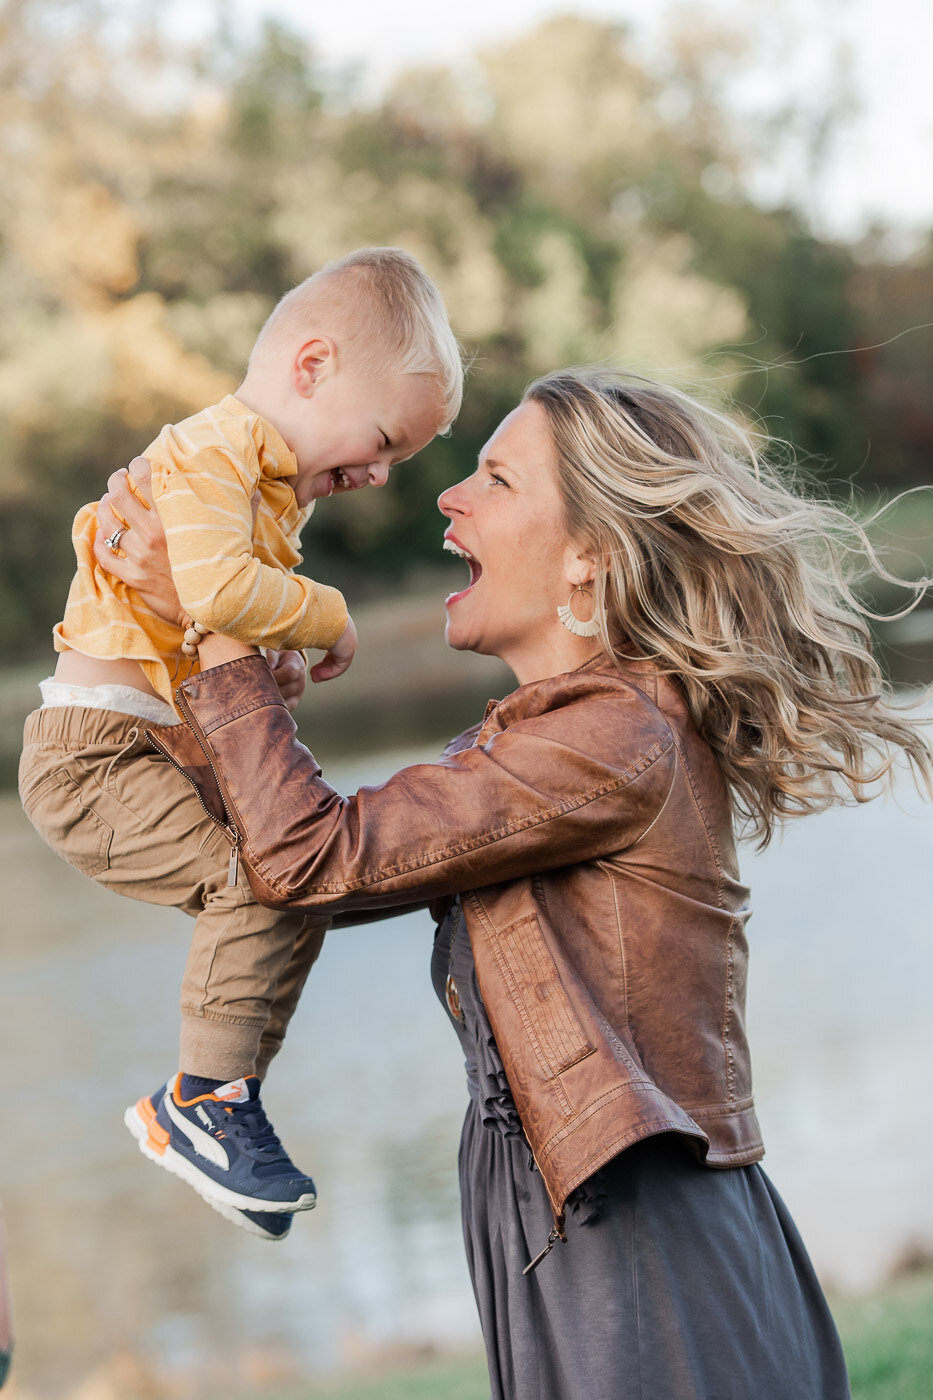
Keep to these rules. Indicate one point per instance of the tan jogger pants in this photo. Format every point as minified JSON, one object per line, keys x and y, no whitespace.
{"x":120,"y":813}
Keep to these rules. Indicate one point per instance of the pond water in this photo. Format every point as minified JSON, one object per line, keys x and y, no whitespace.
{"x":120,"y":1270}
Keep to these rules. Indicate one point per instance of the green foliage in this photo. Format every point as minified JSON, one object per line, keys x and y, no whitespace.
{"x":888,"y":1340}
{"x":273,"y":98}
{"x":158,"y":202}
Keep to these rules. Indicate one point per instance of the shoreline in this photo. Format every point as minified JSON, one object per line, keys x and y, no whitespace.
{"x":405,"y":686}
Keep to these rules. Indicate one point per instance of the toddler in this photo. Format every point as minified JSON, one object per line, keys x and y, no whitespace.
{"x":355,"y":370}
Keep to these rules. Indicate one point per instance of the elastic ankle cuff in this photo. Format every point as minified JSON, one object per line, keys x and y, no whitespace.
{"x":221,"y":1050}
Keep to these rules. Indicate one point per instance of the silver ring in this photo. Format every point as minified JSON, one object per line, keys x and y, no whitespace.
{"x":113,"y":541}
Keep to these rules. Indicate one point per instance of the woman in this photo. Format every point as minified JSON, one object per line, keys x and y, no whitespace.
{"x":686,"y":653}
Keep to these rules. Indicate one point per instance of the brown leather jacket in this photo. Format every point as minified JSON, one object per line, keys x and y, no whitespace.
{"x":587,"y":829}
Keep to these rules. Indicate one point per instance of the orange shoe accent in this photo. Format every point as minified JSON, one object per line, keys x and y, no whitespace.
{"x":157,"y":1138}
{"x":145,"y":1110}
{"x":186,"y":1103}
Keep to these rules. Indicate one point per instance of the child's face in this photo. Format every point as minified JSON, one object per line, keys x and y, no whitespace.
{"x":356,"y":424}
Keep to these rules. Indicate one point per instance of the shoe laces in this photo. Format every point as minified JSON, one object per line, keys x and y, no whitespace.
{"x":248,"y":1121}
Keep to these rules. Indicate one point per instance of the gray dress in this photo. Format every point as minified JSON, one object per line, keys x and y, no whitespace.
{"x":677,"y":1282}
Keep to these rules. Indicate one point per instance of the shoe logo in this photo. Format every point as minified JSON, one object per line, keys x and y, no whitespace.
{"x":234,"y":1092}
{"x":204,"y":1144}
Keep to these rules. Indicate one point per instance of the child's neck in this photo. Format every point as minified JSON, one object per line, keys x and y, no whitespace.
{"x":260,"y":395}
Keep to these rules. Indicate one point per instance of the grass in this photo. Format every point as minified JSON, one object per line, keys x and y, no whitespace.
{"x":887,"y":1336}
{"x":888,"y":1339}
{"x":463,"y":1379}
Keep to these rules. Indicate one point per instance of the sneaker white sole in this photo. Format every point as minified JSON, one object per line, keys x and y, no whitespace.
{"x":229,"y":1204}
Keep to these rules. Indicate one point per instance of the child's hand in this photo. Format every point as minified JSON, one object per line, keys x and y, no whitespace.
{"x":339,"y":657}
{"x":288,"y":672}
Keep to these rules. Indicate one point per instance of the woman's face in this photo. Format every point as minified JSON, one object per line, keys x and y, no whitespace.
{"x":507,"y":521}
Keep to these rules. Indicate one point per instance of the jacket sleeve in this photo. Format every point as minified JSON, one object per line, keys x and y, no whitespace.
{"x":205,"y":509}
{"x":532,"y":797}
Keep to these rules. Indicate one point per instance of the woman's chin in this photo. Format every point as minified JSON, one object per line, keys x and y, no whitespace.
{"x":458,"y":636}
{"x":455,"y":638}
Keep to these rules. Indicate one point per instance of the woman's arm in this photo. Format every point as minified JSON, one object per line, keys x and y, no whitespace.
{"x":583,"y":777}
{"x":578,"y":781}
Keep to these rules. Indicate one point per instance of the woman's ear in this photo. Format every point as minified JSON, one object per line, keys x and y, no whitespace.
{"x":315,"y":360}
{"x":580,"y":567}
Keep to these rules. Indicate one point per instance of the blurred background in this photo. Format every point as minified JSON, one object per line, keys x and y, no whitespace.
{"x":737,"y":197}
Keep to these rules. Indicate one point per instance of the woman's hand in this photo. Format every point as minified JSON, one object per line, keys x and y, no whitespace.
{"x":140,"y":559}
{"x":289,"y":673}
{"x":127,"y":518}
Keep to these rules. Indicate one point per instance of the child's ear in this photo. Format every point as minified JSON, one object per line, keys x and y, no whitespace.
{"x":315,"y":360}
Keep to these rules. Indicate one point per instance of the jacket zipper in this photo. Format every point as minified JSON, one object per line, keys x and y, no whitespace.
{"x":233,"y":834}
{"x":556,"y":1234}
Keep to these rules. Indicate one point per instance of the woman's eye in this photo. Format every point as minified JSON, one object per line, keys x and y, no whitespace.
{"x":499,"y":480}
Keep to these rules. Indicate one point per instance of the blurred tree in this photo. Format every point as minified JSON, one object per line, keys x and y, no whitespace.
{"x":572,"y":203}
{"x":89,"y":363}
{"x":893,"y":307}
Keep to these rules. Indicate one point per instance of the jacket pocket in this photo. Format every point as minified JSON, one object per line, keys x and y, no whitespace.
{"x":531,"y":975}
{"x":74,"y":831}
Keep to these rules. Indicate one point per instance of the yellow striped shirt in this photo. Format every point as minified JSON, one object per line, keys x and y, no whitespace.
{"x":233,"y":576}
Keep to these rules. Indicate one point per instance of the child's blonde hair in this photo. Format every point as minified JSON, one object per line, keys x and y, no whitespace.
{"x":385,"y":308}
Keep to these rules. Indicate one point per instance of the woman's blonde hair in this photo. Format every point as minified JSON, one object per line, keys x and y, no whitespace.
{"x":736,"y":584}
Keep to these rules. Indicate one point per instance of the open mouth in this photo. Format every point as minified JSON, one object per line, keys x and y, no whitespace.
{"x":340,"y":481}
{"x":476,"y":568}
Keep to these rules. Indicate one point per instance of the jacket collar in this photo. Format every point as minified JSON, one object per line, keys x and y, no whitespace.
{"x":537,"y":697}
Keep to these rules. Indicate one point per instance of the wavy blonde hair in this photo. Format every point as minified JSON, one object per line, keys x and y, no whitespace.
{"x":736,"y":584}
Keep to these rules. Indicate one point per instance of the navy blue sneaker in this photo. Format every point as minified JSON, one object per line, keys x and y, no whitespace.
{"x":140,"y":1116}
{"x":224,"y":1146}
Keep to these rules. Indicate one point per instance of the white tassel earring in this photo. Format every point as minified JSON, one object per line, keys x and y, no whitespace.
{"x":572,"y":622}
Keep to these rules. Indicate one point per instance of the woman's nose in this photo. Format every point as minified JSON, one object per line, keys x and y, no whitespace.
{"x":453,"y":501}
{"x":378,"y":474}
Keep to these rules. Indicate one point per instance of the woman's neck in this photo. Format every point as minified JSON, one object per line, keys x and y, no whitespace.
{"x":553,"y":657}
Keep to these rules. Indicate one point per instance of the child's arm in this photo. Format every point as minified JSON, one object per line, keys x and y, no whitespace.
{"x":289,"y":668}
{"x":205,"y":509}
{"x":339,"y":657}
